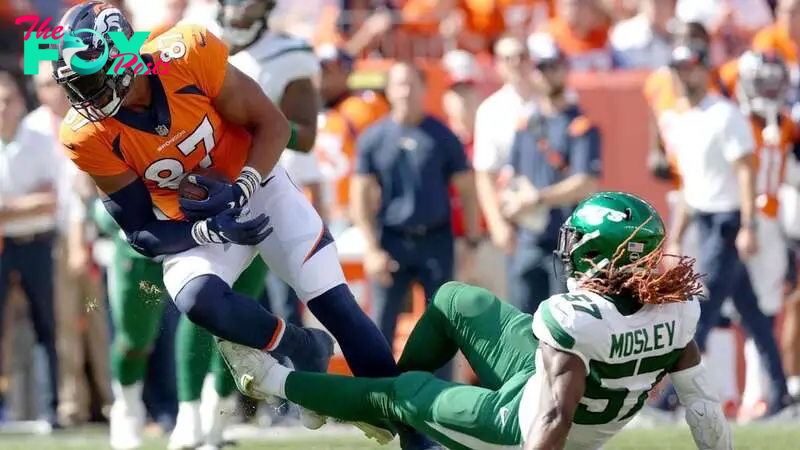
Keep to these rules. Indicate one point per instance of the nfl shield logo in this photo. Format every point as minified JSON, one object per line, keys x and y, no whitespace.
{"x":162,"y":130}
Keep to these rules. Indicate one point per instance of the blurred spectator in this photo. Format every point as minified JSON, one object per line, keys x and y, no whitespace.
{"x":718,"y":196}
{"x":494,"y":133}
{"x":783,"y":37}
{"x":299,"y":19}
{"x":581,"y":30}
{"x":80,"y":318}
{"x":644,"y":41}
{"x":346,"y":114}
{"x":731,"y":23}
{"x":411,"y":158}
{"x":555,"y":162}
{"x":477,"y":24}
{"x":28,"y":200}
{"x":460,"y":103}
{"x":174,"y":12}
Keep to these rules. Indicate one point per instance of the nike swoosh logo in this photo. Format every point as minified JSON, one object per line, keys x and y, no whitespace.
{"x":231,"y":205}
{"x":264,"y":183}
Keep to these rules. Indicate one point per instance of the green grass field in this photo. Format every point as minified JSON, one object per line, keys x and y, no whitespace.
{"x":746,"y":438}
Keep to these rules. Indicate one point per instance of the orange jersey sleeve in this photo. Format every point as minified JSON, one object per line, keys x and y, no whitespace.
{"x":728,"y":75}
{"x":194,"y":50}
{"x":88,"y":147}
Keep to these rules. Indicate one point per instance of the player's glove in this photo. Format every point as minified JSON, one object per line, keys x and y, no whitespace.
{"x":221,"y":194}
{"x":228,"y":226}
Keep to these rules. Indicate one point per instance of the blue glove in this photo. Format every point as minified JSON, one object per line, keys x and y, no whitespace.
{"x":228,"y":227}
{"x":222,"y":196}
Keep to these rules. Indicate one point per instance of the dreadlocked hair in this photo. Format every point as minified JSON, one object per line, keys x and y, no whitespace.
{"x":644,"y":280}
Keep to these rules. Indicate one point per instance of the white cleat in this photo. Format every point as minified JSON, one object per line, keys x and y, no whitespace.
{"x":248,"y":366}
{"x":380,"y":435}
{"x":312,"y":420}
{"x":126,"y":425}
{"x":187,"y":433}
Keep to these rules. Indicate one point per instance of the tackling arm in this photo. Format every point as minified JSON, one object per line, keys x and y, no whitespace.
{"x":704,"y":413}
{"x":565,"y":380}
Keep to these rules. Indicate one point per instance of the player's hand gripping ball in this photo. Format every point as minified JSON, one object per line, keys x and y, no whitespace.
{"x":192,"y":189}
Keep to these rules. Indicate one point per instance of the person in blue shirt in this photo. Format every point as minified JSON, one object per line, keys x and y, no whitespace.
{"x":407,"y":162}
{"x":556,"y":162}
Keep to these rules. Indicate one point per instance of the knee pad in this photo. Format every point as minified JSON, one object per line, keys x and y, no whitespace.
{"x":200,"y":291}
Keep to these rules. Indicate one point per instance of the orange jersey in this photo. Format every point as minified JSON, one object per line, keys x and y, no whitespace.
{"x":179,"y":132}
{"x":336,"y":141}
{"x":771,"y":163}
{"x":775,"y":38}
{"x":590,"y":52}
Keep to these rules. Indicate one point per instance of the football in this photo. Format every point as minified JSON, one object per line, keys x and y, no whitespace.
{"x":192,"y":191}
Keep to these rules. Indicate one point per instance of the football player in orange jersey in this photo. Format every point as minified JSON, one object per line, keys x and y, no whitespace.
{"x":762,"y":85}
{"x":139,"y":136}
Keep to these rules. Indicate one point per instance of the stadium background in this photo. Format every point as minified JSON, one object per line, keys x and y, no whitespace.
{"x":612,"y":98}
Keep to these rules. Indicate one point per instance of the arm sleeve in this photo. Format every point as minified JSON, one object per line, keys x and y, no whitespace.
{"x":585,"y":156}
{"x":704,"y":414}
{"x":738,"y":135}
{"x":364,"y":149}
{"x":558,"y":325}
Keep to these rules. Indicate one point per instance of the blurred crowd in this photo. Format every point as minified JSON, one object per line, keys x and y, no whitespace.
{"x":500,"y":168}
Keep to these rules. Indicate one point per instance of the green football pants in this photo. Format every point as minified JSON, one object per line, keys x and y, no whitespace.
{"x":195,"y":351}
{"x":498,"y":343}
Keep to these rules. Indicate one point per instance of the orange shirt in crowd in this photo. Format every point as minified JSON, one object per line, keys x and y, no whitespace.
{"x":335,"y":146}
{"x":590,"y":52}
{"x":491,"y":18}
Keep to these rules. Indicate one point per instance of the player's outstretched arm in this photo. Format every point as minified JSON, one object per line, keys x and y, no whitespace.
{"x":564,"y":380}
{"x":704,"y":413}
{"x":241,"y":101}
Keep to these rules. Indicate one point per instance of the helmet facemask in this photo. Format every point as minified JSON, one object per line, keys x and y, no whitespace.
{"x":244,"y":21}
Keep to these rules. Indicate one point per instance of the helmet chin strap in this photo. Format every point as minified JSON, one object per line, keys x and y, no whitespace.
{"x":575,"y":283}
{"x":242,"y":37}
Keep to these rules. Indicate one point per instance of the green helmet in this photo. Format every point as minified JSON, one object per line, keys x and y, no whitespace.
{"x":599,"y":225}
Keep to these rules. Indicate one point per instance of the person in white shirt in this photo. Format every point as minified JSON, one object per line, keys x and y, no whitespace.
{"x":714,"y":148}
{"x":495,"y":126}
{"x":28,"y":201}
{"x":643,"y":41}
{"x":76,"y":289}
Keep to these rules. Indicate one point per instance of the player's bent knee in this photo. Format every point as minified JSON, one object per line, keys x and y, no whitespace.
{"x":200,"y":290}
{"x":459,"y":299}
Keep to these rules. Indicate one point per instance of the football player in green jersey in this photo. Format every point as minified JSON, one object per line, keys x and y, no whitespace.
{"x":570,"y":376}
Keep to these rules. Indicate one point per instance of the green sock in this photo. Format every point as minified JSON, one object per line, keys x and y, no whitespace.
{"x":193,"y":347}
{"x":223,"y":380}
{"x":346,"y":398}
{"x":128,"y":366}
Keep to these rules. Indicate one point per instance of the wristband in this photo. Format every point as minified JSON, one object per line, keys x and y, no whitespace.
{"x":292,"y":136}
{"x":249,"y":181}
{"x":203,"y":236}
